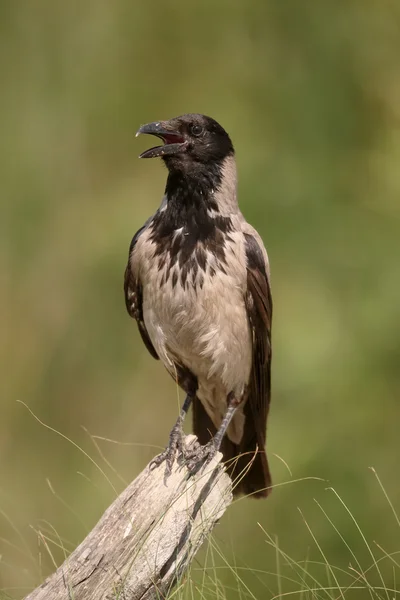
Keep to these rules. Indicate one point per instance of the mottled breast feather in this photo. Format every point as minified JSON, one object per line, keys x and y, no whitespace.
{"x":191,"y":229}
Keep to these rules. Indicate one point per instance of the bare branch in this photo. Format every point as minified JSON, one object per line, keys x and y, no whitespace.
{"x":146,"y":539}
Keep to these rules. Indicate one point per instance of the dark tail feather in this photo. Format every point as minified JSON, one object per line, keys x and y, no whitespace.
{"x":252,"y":471}
{"x":246,"y":463}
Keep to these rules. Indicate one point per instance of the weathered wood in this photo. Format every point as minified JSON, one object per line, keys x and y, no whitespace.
{"x":146,"y":539}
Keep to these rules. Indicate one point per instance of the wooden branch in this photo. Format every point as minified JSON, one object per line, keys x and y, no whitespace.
{"x":146,"y":539}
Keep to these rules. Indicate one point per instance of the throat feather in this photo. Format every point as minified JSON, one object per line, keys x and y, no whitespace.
{"x":189,"y":237}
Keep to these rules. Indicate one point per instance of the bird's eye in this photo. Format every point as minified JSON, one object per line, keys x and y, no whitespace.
{"x":196,"y":130}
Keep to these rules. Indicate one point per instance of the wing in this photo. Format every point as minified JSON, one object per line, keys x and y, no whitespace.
{"x":134,"y":296}
{"x":259,"y":311}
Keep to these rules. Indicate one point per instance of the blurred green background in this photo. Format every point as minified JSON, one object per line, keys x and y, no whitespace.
{"x":310,"y":93}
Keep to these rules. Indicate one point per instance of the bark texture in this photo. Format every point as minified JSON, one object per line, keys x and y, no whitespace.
{"x":146,"y":539}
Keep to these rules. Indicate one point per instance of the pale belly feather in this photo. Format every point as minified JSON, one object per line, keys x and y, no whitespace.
{"x":205,"y":329}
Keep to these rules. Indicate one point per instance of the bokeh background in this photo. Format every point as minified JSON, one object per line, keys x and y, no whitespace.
{"x":310,"y":93}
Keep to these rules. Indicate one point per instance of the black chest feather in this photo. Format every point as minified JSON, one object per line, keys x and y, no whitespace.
{"x":189,"y":229}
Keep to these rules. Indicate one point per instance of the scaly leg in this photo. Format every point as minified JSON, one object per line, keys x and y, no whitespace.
{"x":208,"y":451}
{"x":175,"y":441}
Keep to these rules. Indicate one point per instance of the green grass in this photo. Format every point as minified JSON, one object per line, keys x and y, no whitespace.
{"x":221,"y":571}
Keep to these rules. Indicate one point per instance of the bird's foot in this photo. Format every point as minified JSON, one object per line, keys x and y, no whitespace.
{"x":175,"y":446}
{"x":200,"y":456}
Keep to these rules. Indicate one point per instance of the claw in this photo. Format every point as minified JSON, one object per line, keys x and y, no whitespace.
{"x":174,"y":447}
{"x":176,"y":441}
{"x":201,"y":456}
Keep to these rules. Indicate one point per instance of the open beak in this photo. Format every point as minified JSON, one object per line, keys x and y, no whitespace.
{"x":174,"y":142}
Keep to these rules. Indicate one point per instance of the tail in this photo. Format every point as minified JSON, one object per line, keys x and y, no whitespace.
{"x":246,"y":463}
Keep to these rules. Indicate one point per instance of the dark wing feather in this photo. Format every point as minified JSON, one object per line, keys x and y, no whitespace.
{"x":259,"y":311}
{"x":134,"y":297}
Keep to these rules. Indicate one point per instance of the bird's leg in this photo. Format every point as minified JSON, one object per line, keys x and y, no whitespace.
{"x":208,"y":451}
{"x":175,"y":440}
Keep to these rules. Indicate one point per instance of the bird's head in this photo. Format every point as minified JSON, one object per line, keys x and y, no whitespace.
{"x":189,"y":141}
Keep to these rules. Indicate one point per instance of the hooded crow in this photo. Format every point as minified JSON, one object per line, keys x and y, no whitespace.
{"x":197,"y":283}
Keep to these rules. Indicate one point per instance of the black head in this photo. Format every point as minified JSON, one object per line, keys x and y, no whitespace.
{"x":189,"y":140}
